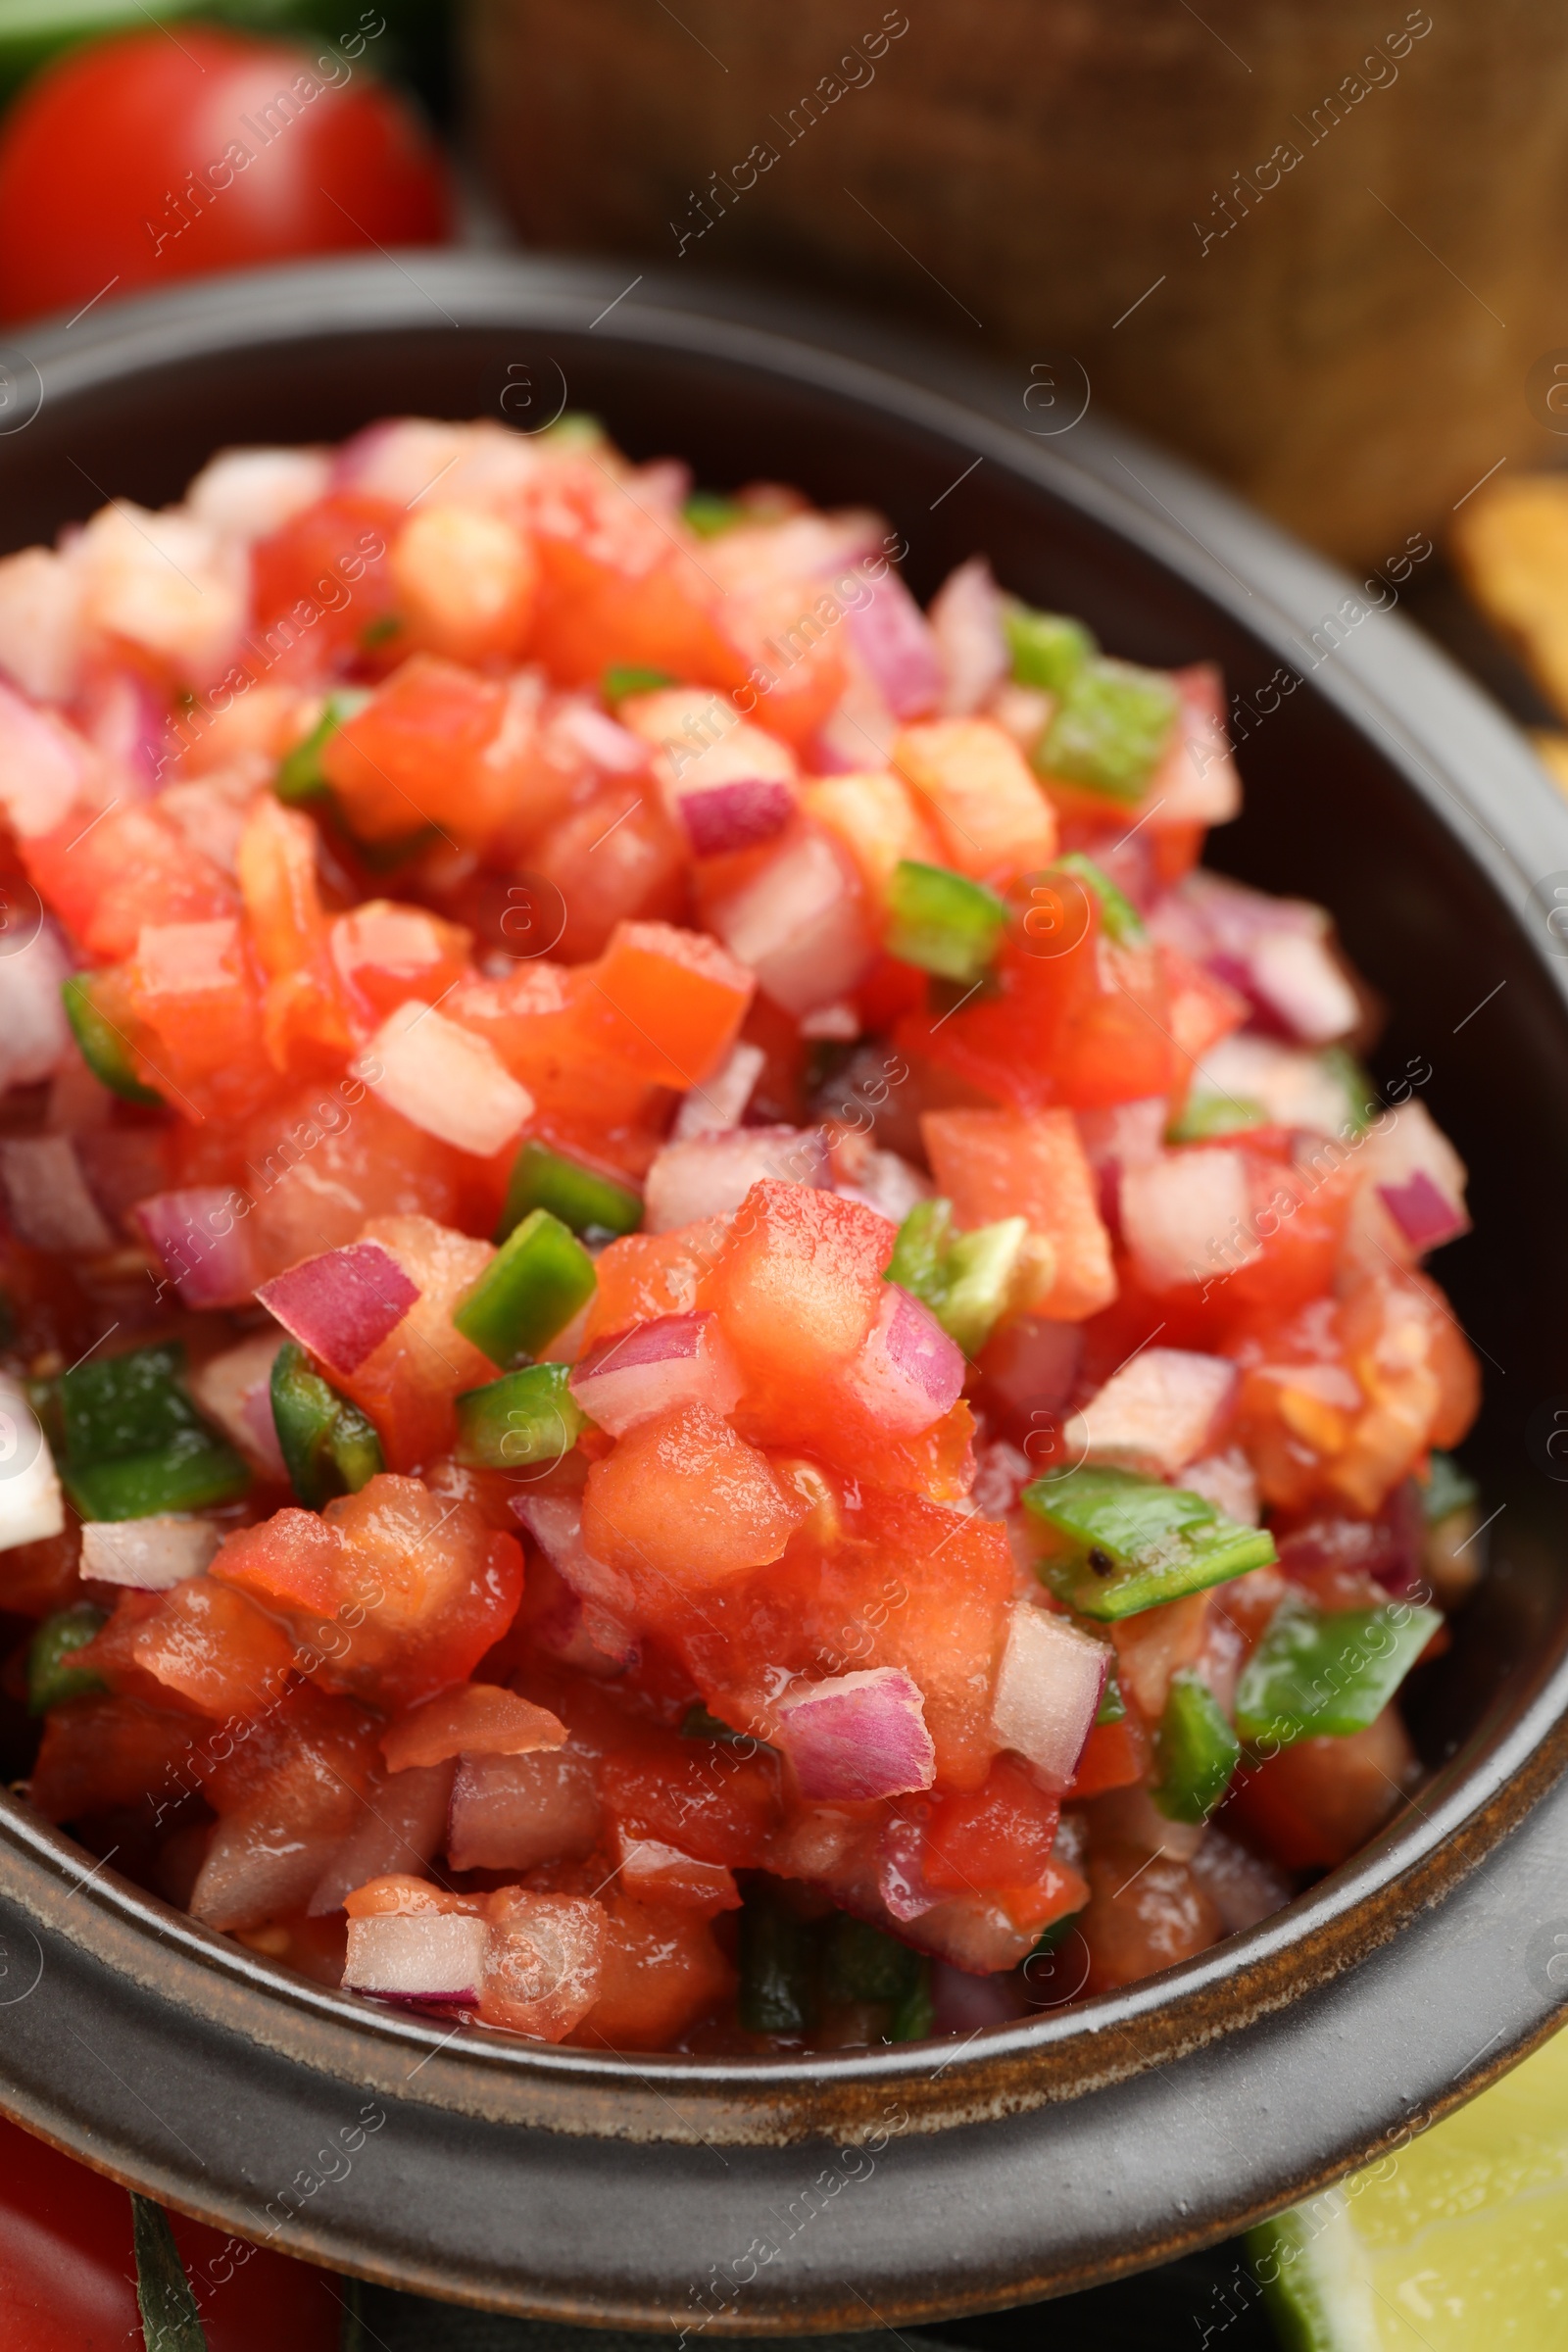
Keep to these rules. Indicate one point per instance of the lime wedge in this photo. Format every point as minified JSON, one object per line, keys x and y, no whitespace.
{"x":1456,"y":2242}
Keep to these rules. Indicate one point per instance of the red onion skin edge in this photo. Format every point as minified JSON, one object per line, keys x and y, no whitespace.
{"x":738,"y":815}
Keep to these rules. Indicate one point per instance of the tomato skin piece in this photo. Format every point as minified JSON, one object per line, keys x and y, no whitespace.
{"x":67,"y":2270}
{"x":97,"y":143}
{"x":683,"y":1501}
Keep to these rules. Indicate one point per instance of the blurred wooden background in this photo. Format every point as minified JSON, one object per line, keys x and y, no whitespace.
{"x":1350,"y":337}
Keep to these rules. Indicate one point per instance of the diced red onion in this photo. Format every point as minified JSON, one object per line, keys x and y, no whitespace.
{"x":908,"y":1373}
{"x":152,"y":1555}
{"x":256,"y":1869}
{"x":1032,"y":1364}
{"x":1419,"y":1209}
{"x":1185,"y":1217}
{"x":44,"y":766}
{"x":1274,"y":950}
{"x":1158,"y":1413}
{"x":1048,"y":1688}
{"x":433,"y":1958}
{"x":894,"y":639}
{"x":797,"y":924}
{"x":513,"y":1812}
{"x":654,"y":1368}
{"x":250,"y":493}
{"x":607,"y":745}
{"x":1196,"y":783}
{"x":972,"y":646}
{"x":555,"y":1522}
{"x":1297,"y":980}
{"x":723,"y":817}
{"x":35,"y":1034}
{"x":342,"y":1305}
{"x":962,"y":2004}
{"x":202,"y":1245}
{"x":720,"y":1102}
{"x":128,"y":722}
{"x":47,"y":1199}
{"x":879,"y":1180}
{"x":858,"y":1736}
{"x":858,"y":732}
{"x":711,"y":1175}
{"x":235,"y":1389}
{"x":401,"y":1829}
{"x":32,"y":1506}
{"x":445,"y":1079}
{"x":1229,"y":1482}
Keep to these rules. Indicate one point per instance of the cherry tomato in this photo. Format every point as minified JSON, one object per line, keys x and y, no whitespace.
{"x":134,"y":161}
{"x":68,"y":2272}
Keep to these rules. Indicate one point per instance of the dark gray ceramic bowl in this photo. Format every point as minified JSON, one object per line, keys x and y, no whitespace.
{"x":903,"y":2184}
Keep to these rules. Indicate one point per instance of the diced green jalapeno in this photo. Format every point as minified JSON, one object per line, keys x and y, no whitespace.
{"x":1120,"y":918}
{"x":579,"y":1197}
{"x":778,"y":1993}
{"x":943,"y":923}
{"x":1360,"y":1095}
{"x":1049,"y":649}
{"x":1204,"y":1116}
{"x":1448,"y":1488}
{"x":1052,"y":1939}
{"x":1326,"y":1673}
{"x":574,"y":428}
{"x":115,"y":1406}
{"x":624,"y":678}
{"x":300,"y":776}
{"x":710,"y":515}
{"x":1196,"y":1752}
{"x":1112,"y":1706}
{"x":531,"y":1290}
{"x":529,"y":1416}
{"x":915,"y":2015}
{"x":1110,"y":729}
{"x":191,"y":1473}
{"x":104,"y":1050}
{"x":1123,"y":1543}
{"x":963,"y":1278}
{"x":51,"y":1677}
{"x":329,"y":1445}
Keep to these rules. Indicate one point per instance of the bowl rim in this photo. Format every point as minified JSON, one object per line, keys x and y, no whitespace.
{"x":1436,"y":728}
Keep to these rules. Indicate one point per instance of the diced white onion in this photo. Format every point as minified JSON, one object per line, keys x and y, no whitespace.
{"x":444,"y":1080}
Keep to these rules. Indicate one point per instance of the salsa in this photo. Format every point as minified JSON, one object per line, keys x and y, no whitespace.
{"x":701,"y":1348}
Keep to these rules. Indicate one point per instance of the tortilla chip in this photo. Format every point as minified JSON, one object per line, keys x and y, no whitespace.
{"x":1510,"y":548}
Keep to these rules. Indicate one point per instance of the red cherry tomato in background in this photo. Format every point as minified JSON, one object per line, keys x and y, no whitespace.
{"x":135,"y":161}
{"x":67,"y":2270}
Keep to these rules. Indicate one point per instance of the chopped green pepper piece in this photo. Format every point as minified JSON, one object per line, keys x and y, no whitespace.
{"x":1110,"y":728}
{"x":1052,"y":1939}
{"x":860,"y":1963}
{"x":574,"y":428}
{"x":1196,"y":1749}
{"x":531,"y":1290}
{"x":777,"y":1992}
{"x":50,"y":1675}
{"x":104,"y":1050}
{"x":329,"y":1445}
{"x":963,"y":1278}
{"x":916,"y":2015}
{"x":1121,"y":919}
{"x":579,"y":1197}
{"x":381,"y":630}
{"x":299,"y":775}
{"x":1326,"y":1673}
{"x":623,"y":678}
{"x":1449,"y":1488}
{"x":942,"y":921}
{"x":710,"y":515}
{"x":1360,"y":1095}
{"x":1049,"y":649}
{"x":529,"y":1416}
{"x":191,"y":1473}
{"x":1127,"y":1543}
{"x":115,"y":1406}
{"x":1112,"y":1706}
{"x":1204,"y":1116}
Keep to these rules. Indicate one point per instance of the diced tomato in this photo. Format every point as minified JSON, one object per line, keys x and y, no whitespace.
{"x":671,"y":1002}
{"x":1152,"y":1644}
{"x":466,"y":582}
{"x":788,"y":656}
{"x":684,"y":1499}
{"x":1115,"y":1756}
{"x":1003,"y":1163}
{"x":1315,"y":1804}
{"x":392,"y":1591}
{"x":304,"y":1022}
{"x":415,"y":756}
{"x":994,"y":820}
{"x":194,"y":998}
{"x":646,"y":1275}
{"x":662,"y":1971}
{"x":407,"y":1384}
{"x":384,"y":954}
{"x":209,"y":1644}
{"x":101,"y":1753}
{"x":614,"y":857}
{"x":1143,"y":1915}
{"x":880,"y":821}
{"x":998,"y":1838}
{"x":704,"y":1799}
{"x":107,"y":878}
{"x":1203,"y":1008}
{"x":322,"y":582}
{"x":614,"y":589}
